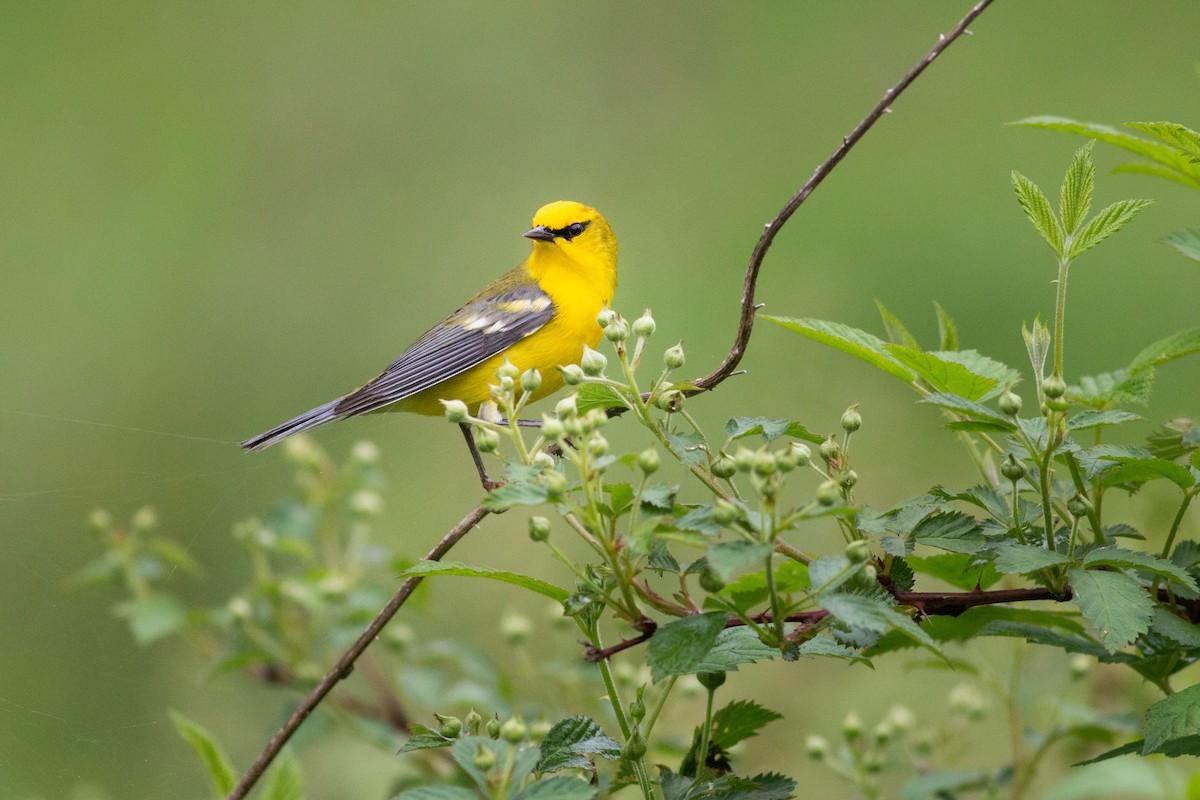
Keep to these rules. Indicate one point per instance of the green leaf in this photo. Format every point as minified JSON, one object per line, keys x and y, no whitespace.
{"x":1143,"y":470}
{"x":1182,"y":138}
{"x":1174,"y":346}
{"x":437,"y":792}
{"x":727,"y":558}
{"x":660,"y":496}
{"x":857,"y":611}
{"x":1107,"y":222}
{"x":425,"y":741}
{"x":897,"y":333}
{"x":1174,"y":438}
{"x":947,"y":330}
{"x":826,"y":647}
{"x":952,"y":531}
{"x":284,"y":781}
{"x":216,"y":763}
{"x":956,"y":569}
{"x":735,"y":646}
{"x":961,"y":405}
{"x":1172,"y":719}
{"x":739,"y":721}
{"x":769,"y":429}
{"x":859,"y":344}
{"x":941,"y":785}
{"x":425,"y":569}
{"x":1169,"y":157}
{"x":680,"y":645}
{"x":689,"y":447}
{"x":1019,"y":559}
{"x":1037,"y":344}
{"x":597,"y":395}
{"x":560,"y":787}
{"x":1186,"y":241}
{"x":1175,"y":628}
{"x":1117,"y":387}
{"x":573,"y":742}
{"x":959,"y":373}
{"x":1133,"y":559}
{"x":1077,"y":188}
{"x":517,"y":493}
{"x":1095,"y":419}
{"x":1037,"y":209}
{"x":1115,"y":604}
{"x":152,"y":617}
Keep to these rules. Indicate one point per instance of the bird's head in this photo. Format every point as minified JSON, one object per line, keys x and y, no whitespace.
{"x":574,"y":230}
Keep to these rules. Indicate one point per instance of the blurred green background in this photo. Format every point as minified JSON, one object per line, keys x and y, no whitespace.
{"x":215,"y":216}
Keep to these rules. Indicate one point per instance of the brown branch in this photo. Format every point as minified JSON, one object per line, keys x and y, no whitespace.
{"x":345,"y":664}
{"x":746,"y":320}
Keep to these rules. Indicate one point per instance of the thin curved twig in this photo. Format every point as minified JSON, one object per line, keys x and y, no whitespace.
{"x":345,"y":664}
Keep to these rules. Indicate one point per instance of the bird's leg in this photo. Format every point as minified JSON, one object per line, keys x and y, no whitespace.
{"x":488,"y":483}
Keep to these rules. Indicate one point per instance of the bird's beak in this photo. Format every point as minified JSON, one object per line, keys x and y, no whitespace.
{"x":541,"y":233}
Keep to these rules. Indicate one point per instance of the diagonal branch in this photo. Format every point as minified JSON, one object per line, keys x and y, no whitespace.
{"x":345,"y":664}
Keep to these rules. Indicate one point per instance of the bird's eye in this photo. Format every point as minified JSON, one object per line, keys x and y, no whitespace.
{"x":575,"y":229}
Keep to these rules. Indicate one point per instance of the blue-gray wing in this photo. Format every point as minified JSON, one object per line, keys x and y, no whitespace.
{"x":490,"y":323}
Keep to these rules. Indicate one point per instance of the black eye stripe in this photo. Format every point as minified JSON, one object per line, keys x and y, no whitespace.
{"x":570,"y":231}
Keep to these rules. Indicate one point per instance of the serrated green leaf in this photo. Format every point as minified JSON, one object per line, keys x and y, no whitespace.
{"x":1143,"y":470}
{"x":560,"y":787}
{"x":1101,"y":457}
{"x":660,"y":496}
{"x":689,"y":447}
{"x":216,"y":763}
{"x":152,"y":617}
{"x":1182,"y":138}
{"x":947,"y":330}
{"x":858,"y":611}
{"x":1075,"y":198}
{"x":859,"y":344}
{"x":952,"y":531}
{"x":573,"y":742}
{"x":426,"y":569}
{"x":1037,"y":209}
{"x":1119,"y":387}
{"x":1167,"y":349}
{"x":1134,"y":559}
{"x":1166,"y":155}
{"x":738,"y":721}
{"x":986,"y":620}
{"x":942,"y":373}
{"x":425,"y":741}
{"x":1175,"y":628}
{"x":970,"y":408}
{"x":1174,"y":438}
{"x":897,"y":333}
{"x":956,"y":569}
{"x":1037,"y":345}
{"x":1018,"y":559}
{"x":597,"y":395}
{"x":680,"y":645}
{"x":1115,"y":604}
{"x":523,"y":493}
{"x":1173,"y":718}
{"x":728,"y":558}
{"x":1107,"y":221}
{"x":1186,"y":241}
{"x":826,"y":647}
{"x":437,"y":792}
{"x":735,"y":646}
{"x":283,"y":780}
{"x":1095,"y":419}
{"x":769,"y":429}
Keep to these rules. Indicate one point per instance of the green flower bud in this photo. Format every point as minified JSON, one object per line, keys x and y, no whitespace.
{"x":852,"y":727}
{"x":597,"y":445}
{"x":605,"y":317}
{"x":144,"y":519}
{"x":486,"y":440}
{"x":538,"y":730}
{"x":785,"y":459}
{"x":450,"y":727}
{"x":634,"y":747}
{"x":531,"y":379}
{"x":597,"y":418}
{"x":670,"y":401}
{"x":507,"y":384}
{"x":365,"y":452}
{"x":1010,"y":403}
{"x":851,"y":420}
{"x":711,"y":680}
{"x":764,"y":463}
{"x":507,"y":370}
{"x":473,"y":721}
{"x":765,"y":486}
{"x":617,"y":331}
{"x":543,"y":461}
{"x":239,"y":608}
{"x":828,"y":493}
{"x":637,"y":709}
{"x":456,"y":411}
{"x":745,"y":458}
{"x":802,"y":452}
{"x":1079,"y":506}
{"x":1058,"y":403}
{"x":648,"y":461}
{"x":555,"y":482}
{"x":515,"y":628}
{"x":901,"y":718}
{"x":1054,"y":386}
{"x":566,"y":409}
{"x":849,"y":478}
{"x":572,"y":374}
{"x":1011,"y":468}
{"x":484,"y":759}
{"x":1080,"y":666}
{"x":724,"y":467}
{"x":882,"y":733}
{"x":593,"y":362}
{"x":674,"y":357}
{"x":710,"y":581}
{"x":100,"y":521}
{"x":816,"y":747}
{"x":858,"y":551}
{"x":539,"y":529}
{"x":301,"y":451}
{"x":644,"y":325}
{"x":493,"y":726}
{"x":552,"y":428}
{"x":366,"y":503}
{"x":870,"y":574}
{"x":829,"y":450}
{"x":724,"y":512}
{"x":872,"y":763}
{"x":513,"y":730}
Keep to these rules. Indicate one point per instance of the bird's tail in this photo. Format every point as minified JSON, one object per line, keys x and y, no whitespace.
{"x":306,"y":421}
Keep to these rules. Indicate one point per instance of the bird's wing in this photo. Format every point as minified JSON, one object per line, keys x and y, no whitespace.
{"x":491,"y":322}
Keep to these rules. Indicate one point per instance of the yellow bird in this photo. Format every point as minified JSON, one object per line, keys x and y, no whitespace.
{"x":539,"y":315}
